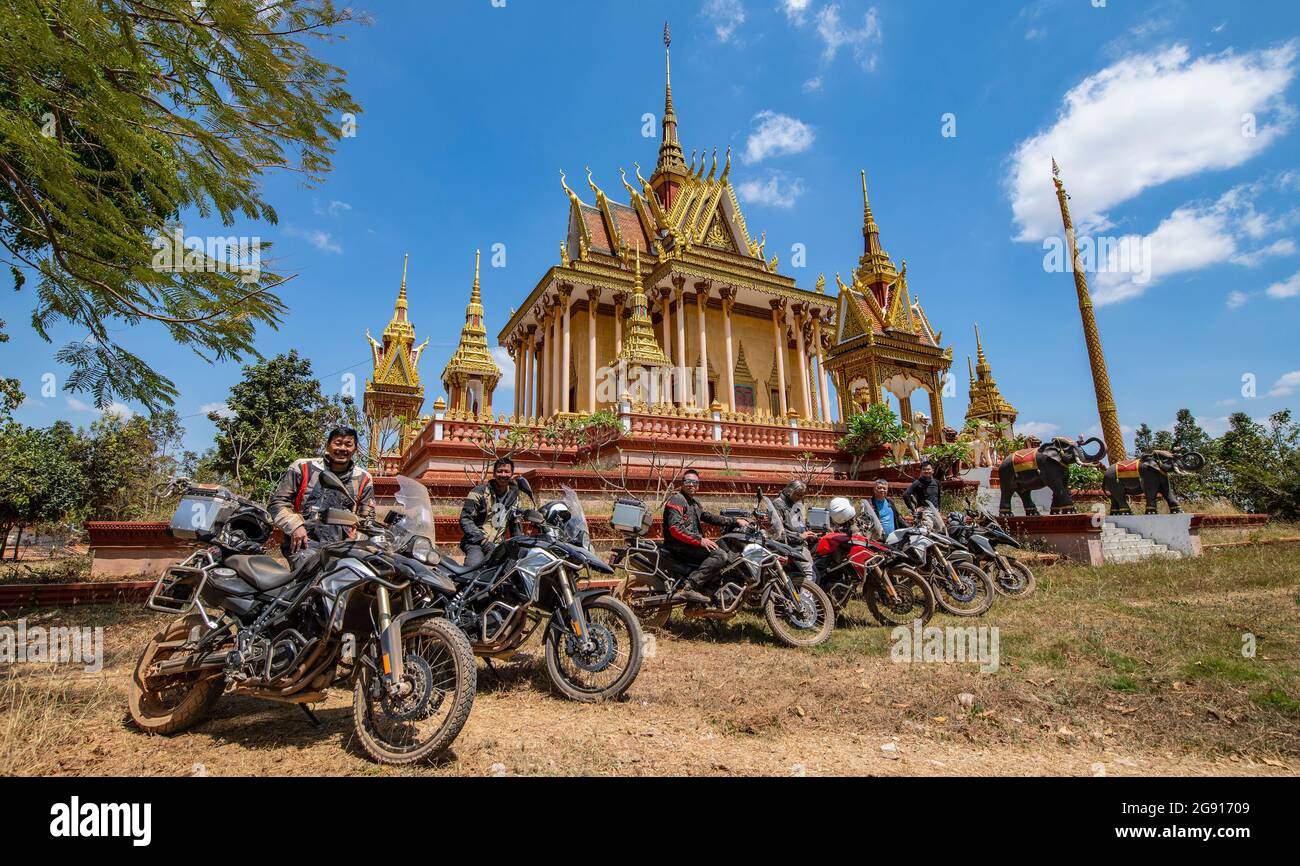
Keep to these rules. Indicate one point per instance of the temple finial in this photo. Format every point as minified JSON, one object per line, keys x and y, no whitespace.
{"x":971,"y":370}
{"x":475,"y":297}
{"x":867,"y":218}
{"x":401,"y":294}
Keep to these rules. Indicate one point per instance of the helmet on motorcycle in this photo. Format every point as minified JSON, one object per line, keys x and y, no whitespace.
{"x":956,"y":517}
{"x":556,"y":513}
{"x":841,"y":511}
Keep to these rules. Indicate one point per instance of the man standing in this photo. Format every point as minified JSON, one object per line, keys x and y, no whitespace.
{"x":924,"y":490}
{"x":488,"y":515}
{"x":789,"y":504}
{"x":885,"y":508}
{"x":684,"y":540}
{"x":300,"y":494}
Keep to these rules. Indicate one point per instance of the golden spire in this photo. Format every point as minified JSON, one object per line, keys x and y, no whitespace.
{"x":875,"y":268}
{"x":671,"y":160}
{"x":1106,"y":409}
{"x":472,"y":358}
{"x":640,"y":348}
{"x":401,"y":294}
{"x":986,"y":401}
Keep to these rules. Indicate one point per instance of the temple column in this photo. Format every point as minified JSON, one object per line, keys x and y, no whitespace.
{"x":729,"y":301}
{"x":679,"y":298}
{"x":822,"y":390}
{"x":516,"y":355}
{"x":528,"y":372}
{"x":778,"y":341}
{"x":936,"y":409}
{"x":593,"y":301}
{"x":666,"y":303}
{"x":553,"y":383}
{"x":567,"y":353}
{"x":802,"y":348}
{"x":701,"y":307}
{"x":620,"y":298}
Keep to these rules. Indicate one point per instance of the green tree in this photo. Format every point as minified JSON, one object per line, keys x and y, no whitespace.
{"x":127,"y":461}
{"x":867,"y":431}
{"x":1143,"y":439}
{"x":41,"y":477}
{"x":11,"y":397}
{"x":117,"y":118}
{"x":277,"y":415}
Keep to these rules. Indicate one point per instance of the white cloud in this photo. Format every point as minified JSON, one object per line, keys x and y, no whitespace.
{"x":772,"y":192}
{"x":321,"y":240}
{"x":1034,"y":34}
{"x":1146,"y":120}
{"x":333,"y":209}
{"x":777,"y":135}
{"x":1237,"y":299}
{"x":726,"y":16}
{"x":501,"y":355}
{"x":221,"y":410}
{"x":1193,"y":237}
{"x":121,"y":410}
{"x":812,"y":85}
{"x":864,"y":41}
{"x":1041,"y":429}
{"x":795,"y":9}
{"x":1286,"y":385}
{"x":1288,"y":288}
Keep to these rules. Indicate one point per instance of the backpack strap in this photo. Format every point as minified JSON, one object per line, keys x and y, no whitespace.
{"x":302,"y":486}
{"x":361,"y":486}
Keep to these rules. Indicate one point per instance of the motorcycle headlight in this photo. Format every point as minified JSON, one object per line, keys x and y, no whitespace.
{"x":423,"y":550}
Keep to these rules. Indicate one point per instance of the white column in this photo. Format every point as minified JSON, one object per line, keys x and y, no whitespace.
{"x":823,"y":390}
{"x":729,"y":301}
{"x":567,"y":353}
{"x":701,"y":308}
{"x":778,"y":340}
{"x":593,"y":301}
{"x":802,"y":349}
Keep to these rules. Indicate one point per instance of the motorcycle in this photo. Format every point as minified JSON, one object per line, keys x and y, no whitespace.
{"x":342,"y":616}
{"x":529,"y":581}
{"x":852,"y":562}
{"x":798,"y":613}
{"x":980,"y":534}
{"x":960,"y":586}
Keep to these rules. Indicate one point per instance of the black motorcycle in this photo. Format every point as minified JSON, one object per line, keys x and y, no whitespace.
{"x":960,"y":586}
{"x":343,"y":615}
{"x":981,"y":534}
{"x":798,"y":613}
{"x":530,"y":581}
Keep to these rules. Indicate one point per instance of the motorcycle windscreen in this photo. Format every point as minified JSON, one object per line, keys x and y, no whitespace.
{"x":412,"y":498}
{"x":868,"y":512}
{"x":576,"y":529}
{"x":773,"y":518}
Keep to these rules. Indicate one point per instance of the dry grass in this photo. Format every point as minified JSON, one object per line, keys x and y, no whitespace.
{"x":1136,"y":669}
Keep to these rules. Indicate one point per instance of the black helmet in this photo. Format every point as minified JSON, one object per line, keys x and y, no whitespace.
{"x":556,"y":513}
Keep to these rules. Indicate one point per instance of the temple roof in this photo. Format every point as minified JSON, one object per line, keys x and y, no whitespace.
{"x":986,"y":401}
{"x":472,"y":357}
{"x":397,"y":358}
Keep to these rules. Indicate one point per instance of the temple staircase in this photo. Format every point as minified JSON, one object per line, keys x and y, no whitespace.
{"x":1121,"y":545}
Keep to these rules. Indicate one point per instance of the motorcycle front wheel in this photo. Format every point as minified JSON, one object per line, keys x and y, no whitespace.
{"x":604,"y":669}
{"x":915,"y":600}
{"x":170,"y":704}
{"x":808,"y":626}
{"x":1019,"y":583}
{"x":439,"y":667}
{"x":971,"y":595}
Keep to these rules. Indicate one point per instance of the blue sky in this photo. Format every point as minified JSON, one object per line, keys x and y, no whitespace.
{"x":1173,"y":121}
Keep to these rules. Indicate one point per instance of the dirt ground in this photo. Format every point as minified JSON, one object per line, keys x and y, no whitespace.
{"x":1121,"y":671}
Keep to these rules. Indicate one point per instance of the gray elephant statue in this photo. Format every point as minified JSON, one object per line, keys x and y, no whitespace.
{"x":1048,"y":465}
{"x":1149,"y":474}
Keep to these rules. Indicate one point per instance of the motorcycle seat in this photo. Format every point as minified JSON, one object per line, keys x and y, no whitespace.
{"x":262,"y":572}
{"x":451,"y":566}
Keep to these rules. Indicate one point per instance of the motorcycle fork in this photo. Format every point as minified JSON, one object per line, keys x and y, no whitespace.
{"x":577,"y":621}
{"x":390,"y":641}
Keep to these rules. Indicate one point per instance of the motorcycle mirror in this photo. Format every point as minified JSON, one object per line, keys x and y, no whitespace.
{"x":525,"y":488}
{"x":333,"y":482}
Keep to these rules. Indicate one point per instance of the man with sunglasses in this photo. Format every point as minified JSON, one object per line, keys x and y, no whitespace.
{"x":685,"y":542}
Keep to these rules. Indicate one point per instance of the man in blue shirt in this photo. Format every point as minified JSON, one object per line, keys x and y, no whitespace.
{"x":885,"y":508}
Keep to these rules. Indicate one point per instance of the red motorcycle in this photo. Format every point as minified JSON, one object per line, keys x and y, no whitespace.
{"x":851,"y":563}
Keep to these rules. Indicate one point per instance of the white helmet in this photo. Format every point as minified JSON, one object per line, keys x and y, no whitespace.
{"x":841,"y":511}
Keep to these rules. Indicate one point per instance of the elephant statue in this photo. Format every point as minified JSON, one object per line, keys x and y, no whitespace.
{"x":1048,"y":465}
{"x":1149,"y":474}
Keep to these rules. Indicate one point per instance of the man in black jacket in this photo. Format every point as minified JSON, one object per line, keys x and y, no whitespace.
{"x":684,"y":540}
{"x":924,"y":490}
{"x":488,"y":515}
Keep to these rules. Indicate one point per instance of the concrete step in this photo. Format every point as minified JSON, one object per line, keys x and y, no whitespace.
{"x":1121,"y":545}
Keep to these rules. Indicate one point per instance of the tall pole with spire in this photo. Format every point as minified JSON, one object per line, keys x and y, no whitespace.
{"x":1110,"y":428}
